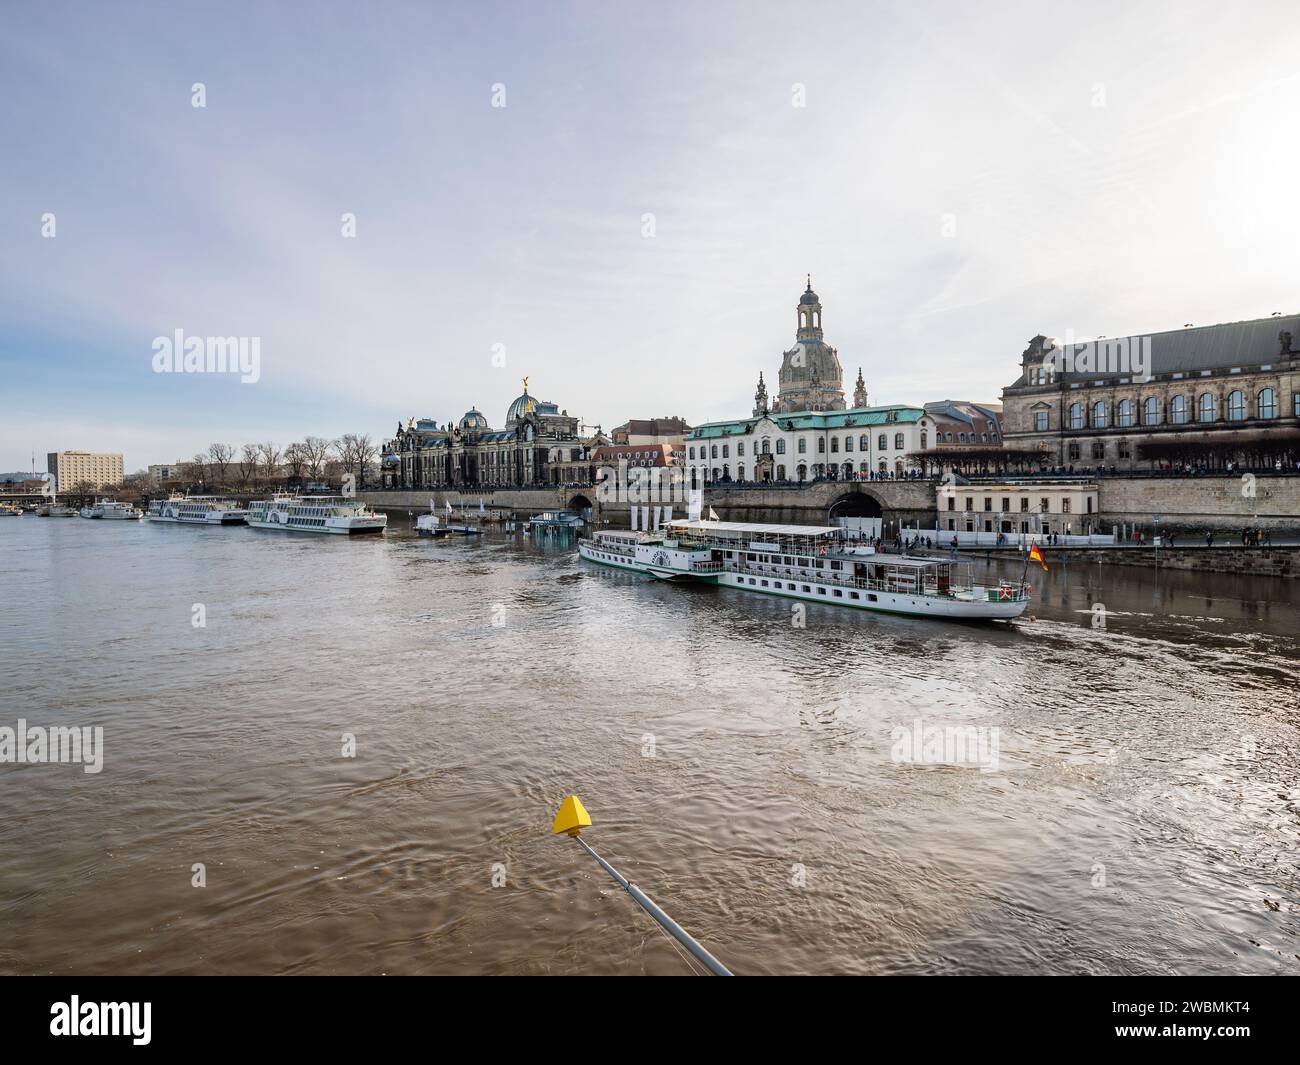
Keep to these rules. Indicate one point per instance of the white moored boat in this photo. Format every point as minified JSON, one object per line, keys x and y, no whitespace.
{"x":56,"y":510}
{"x":318,"y":514}
{"x":8,"y":510}
{"x":109,"y":510}
{"x":197,"y":510}
{"x":811,"y":562}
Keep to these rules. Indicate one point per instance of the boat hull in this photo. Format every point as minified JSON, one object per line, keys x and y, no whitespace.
{"x":338,"y":530}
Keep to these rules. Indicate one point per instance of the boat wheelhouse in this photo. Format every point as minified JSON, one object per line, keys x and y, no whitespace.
{"x":318,"y":514}
{"x":815,"y":563}
{"x":197,"y":510}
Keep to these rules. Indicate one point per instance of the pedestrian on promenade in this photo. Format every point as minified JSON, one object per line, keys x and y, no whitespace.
{"x":1209,"y":539}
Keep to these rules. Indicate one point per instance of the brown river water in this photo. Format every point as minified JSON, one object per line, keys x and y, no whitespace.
{"x":1141,"y":815}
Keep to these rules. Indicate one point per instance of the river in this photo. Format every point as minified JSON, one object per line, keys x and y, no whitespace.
{"x":1140,"y":815}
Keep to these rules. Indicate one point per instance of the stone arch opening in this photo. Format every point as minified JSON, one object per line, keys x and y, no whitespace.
{"x":581,"y":504}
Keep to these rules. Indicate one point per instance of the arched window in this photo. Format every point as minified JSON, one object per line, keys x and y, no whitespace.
{"x":780,"y":447}
{"x":740,"y":473}
{"x":898,"y":467}
{"x":884,"y":466}
{"x":767,"y":446}
{"x":821,"y":445}
{"x":802,"y":471}
{"x":780,"y":473}
{"x":715,"y":451}
{"x":717,"y":473}
{"x":882,"y":442}
{"x":848,"y":443}
{"x":803,"y":447}
{"x":864,"y":442}
{"x":835,"y":445}
{"x":740,"y":448}
{"x":1266,"y":405}
{"x":924,"y":438}
{"x":1124,"y":413}
{"x":1099,"y":414}
{"x":1178,"y":410}
{"x":726,"y":451}
{"x":692,"y":452}
{"x":1151,"y":411}
{"x":1236,"y":406}
{"x":1076,"y":416}
{"x":898,"y":441}
{"x":1206,"y":407}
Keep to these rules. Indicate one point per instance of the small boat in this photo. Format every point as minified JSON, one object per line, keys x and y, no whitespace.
{"x":197,"y":510}
{"x":429,"y":525}
{"x":56,"y":510}
{"x":108,"y":510}
{"x":318,"y":514}
{"x":8,"y":510}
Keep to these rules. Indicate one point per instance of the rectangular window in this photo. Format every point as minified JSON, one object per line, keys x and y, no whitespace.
{"x":1040,"y":421}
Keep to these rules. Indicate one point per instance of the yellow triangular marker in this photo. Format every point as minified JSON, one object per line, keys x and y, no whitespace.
{"x":572,"y":818}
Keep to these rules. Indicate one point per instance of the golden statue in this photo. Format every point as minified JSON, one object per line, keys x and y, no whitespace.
{"x":525,"y":386}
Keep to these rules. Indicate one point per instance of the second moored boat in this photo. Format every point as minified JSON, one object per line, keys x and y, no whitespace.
{"x":318,"y":514}
{"x":197,"y":510}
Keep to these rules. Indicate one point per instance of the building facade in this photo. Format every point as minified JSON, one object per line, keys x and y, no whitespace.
{"x":73,"y":468}
{"x":960,"y":424}
{"x":1012,"y":507}
{"x":651,"y":431}
{"x":844,"y":445}
{"x":1211,"y":396}
{"x":643,"y":455}
{"x":538,"y":445}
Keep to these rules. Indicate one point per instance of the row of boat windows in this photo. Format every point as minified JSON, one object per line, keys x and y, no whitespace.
{"x":781,"y":560}
{"x":834,"y":593}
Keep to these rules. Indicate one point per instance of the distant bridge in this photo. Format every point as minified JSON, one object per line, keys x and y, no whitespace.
{"x":816,"y":503}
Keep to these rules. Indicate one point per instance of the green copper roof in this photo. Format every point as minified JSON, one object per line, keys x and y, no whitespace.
{"x":813,"y":419}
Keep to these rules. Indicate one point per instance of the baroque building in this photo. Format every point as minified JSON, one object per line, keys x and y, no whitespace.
{"x":1209,"y":396}
{"x":538,"y":445}
{"x":809,"y":433}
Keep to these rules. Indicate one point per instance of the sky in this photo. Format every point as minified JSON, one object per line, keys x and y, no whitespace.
{"x":632,"y":229}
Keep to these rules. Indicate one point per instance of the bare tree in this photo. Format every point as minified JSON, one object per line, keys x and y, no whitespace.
{"x":270,"y":456}
{"x":295,"y":458}
{"x":248,"y":463}
{"x":356,"y":452}
{"x":315,"y":453}
{"x":219,"y":457}
{"x":196,"y":470}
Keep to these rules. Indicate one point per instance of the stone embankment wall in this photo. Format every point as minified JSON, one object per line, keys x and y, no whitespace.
{"x":1193,"y":505}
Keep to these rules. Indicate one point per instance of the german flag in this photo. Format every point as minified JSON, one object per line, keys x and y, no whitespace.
{"x":1036,"y":555}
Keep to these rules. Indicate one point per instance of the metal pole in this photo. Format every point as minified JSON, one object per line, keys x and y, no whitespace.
{"x":648,"y":904}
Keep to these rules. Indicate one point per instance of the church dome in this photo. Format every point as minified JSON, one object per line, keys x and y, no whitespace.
{"x":526,"y":403}
{"x":473,"y":421}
